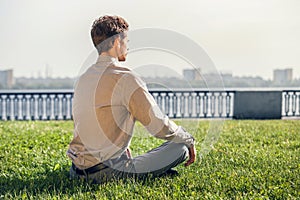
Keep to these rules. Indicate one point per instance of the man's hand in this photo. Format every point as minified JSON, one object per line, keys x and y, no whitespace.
{"x":192,"y":155}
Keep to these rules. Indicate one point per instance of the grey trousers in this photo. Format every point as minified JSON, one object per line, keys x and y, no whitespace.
{"x":154,"y":163}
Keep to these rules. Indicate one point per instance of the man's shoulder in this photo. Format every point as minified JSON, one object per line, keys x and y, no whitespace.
{"x":119,"y":69}
{"x":125,"y":72}
{"x":127,"y":76}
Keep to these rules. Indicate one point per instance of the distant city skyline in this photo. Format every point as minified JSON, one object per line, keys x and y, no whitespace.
{"x":246,"y":38}
{"x":161,"y":77}
{"x":160,"y":71}
{"x":153,"y":71}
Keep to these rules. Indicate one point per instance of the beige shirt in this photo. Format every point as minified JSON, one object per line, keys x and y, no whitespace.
{"x":108,"y":99}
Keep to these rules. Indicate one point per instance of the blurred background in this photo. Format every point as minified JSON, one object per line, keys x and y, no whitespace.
{"x":43,"y":44}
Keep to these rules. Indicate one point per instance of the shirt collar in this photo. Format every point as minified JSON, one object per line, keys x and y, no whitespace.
{"x":106,"y":59}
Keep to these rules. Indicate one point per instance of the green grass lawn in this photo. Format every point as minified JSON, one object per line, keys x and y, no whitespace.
{"x":250,"y":160}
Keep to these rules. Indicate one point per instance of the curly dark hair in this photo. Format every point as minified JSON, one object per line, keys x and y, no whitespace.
{"x":105,"y":29}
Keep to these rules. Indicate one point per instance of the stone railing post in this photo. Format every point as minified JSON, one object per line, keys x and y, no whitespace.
{"x":257,"y":105}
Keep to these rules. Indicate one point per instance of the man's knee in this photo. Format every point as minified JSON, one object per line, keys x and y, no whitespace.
{"x":185,"y":150}
{"x":180,"y":148}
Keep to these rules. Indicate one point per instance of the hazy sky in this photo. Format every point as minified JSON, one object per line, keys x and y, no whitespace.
{"x":243,"y":37}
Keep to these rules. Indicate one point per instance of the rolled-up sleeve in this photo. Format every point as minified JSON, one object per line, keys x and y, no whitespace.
{"x":143,"y":108}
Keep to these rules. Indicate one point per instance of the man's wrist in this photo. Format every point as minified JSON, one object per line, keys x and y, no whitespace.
{"x":186,"y":137}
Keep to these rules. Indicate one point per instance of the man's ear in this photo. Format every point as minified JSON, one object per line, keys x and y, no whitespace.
{"x":117,"y":42}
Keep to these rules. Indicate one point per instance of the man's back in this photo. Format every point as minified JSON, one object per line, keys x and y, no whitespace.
{"x":103,"y":125}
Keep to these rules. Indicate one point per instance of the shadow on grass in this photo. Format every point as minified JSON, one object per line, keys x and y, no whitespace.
{"x":55,"y":182}
{"x":51,"y":182}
